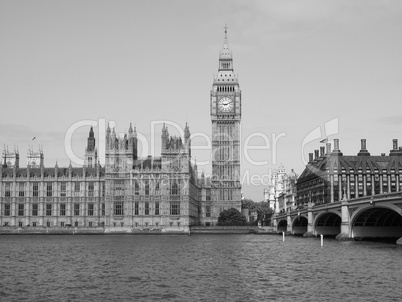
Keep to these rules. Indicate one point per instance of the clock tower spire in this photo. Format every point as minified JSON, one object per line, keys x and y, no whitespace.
{"x":225,"y":104}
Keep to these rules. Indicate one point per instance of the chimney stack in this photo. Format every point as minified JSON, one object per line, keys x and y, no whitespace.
{"x":336,"y":150}
{"x":328,"y":148}
{"x":310,"y":157}
{"x":336,"y":144}
{"x":316,"y":154}
{"x":363,"y":150}
{"x":363,"y":144}
{"x":395,"y":150}
{"x":322,"y":151}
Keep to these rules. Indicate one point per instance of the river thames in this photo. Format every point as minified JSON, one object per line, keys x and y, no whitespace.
{"x":196,"y":268}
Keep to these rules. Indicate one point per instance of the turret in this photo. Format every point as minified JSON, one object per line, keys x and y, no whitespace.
{"x":165,"y":138}
{"x":91,"y":140}
{"x":132,"y":141}
{"x":56,"y":170}
{"x":11,"y":159}
{"x":187,"y":140}
{"x":15,"y":172}
{"x":42,"y":172}
{"x":98,"y":169}
{"x":108,"y":137}
{"x":186,"y":133}
{"x":113,"y":140}
{"x":91,"y":153}
{"x":35,"y":159}
{"x":225,"y":56}
{"x":28,"y":172}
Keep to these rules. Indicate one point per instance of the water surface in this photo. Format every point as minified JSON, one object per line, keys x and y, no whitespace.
{"x":196,"y":268}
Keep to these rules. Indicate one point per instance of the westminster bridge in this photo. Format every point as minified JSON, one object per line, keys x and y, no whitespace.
{"x":377,"y":216}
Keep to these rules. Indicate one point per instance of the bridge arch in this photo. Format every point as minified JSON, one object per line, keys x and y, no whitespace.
{"x":299,"y":225}
{"x":371,"y":221}
{"x":328,"y":223}
{"x":282,"y":225}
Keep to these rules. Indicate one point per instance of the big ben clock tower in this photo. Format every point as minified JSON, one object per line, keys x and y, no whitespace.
{"x":225,"y":116}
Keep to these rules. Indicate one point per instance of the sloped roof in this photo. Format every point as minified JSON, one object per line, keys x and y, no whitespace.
{"x":323,"y":165}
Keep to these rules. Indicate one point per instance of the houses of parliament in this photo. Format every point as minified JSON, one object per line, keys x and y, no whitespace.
{"x":159,"y":193}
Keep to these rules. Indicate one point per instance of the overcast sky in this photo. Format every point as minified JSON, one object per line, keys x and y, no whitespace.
{"x":301,"y":65}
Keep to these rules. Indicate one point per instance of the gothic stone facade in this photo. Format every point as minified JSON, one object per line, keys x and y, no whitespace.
{"x":129,"y":192}
{"x":39,"y":196}
{"x":225,"y":107}
{"x":152,"y":192}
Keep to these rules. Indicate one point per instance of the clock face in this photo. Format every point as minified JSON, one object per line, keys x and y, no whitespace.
{"x":225,"y":104}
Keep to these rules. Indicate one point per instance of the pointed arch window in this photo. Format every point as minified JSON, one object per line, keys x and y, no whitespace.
{"x":49,"y":189}
{"x":21,"y":189}
{"x":147,"y":208}
{"x":136,"y":188}
{"x":175,"y":190}
{"x":146,"y":186}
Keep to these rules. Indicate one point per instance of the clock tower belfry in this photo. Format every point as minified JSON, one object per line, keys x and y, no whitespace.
{"x":225,"y":117}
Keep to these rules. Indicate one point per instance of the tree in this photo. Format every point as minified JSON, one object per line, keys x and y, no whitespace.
{"x":231,"y":217}
{"x":247,"y":204}
{"x":262,"y":208}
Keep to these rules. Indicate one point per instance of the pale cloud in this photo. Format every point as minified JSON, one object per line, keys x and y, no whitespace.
{"x":24,"y":136}
{"x":312,"y":10}
{"x":297,"y":10}
{"x":391,"y":120}
{"x":261,"y":18}
{"x":25,"y":133}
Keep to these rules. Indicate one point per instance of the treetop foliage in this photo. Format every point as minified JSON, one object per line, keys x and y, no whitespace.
{"x":262,"y":208}
{"x":231,"y":217}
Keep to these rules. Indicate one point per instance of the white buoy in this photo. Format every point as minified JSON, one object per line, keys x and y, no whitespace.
{"x":283,"y":236}
{"x":322,"y":240}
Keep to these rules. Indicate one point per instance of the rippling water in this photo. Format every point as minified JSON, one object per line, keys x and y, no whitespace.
{"x":196,"y":268}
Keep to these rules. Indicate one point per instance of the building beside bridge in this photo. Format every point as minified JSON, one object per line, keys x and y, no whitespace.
{"x":348,"y":196}
{"x":281,"y":192}
{"x":330,"y":174}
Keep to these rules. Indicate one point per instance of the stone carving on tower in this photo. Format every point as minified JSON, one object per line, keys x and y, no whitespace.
{"x":11,"y":159}
{"x":176,"y":153}
{"x":120,"y":151}
{"x":225,"y":116}
{"x":35,"y":159}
